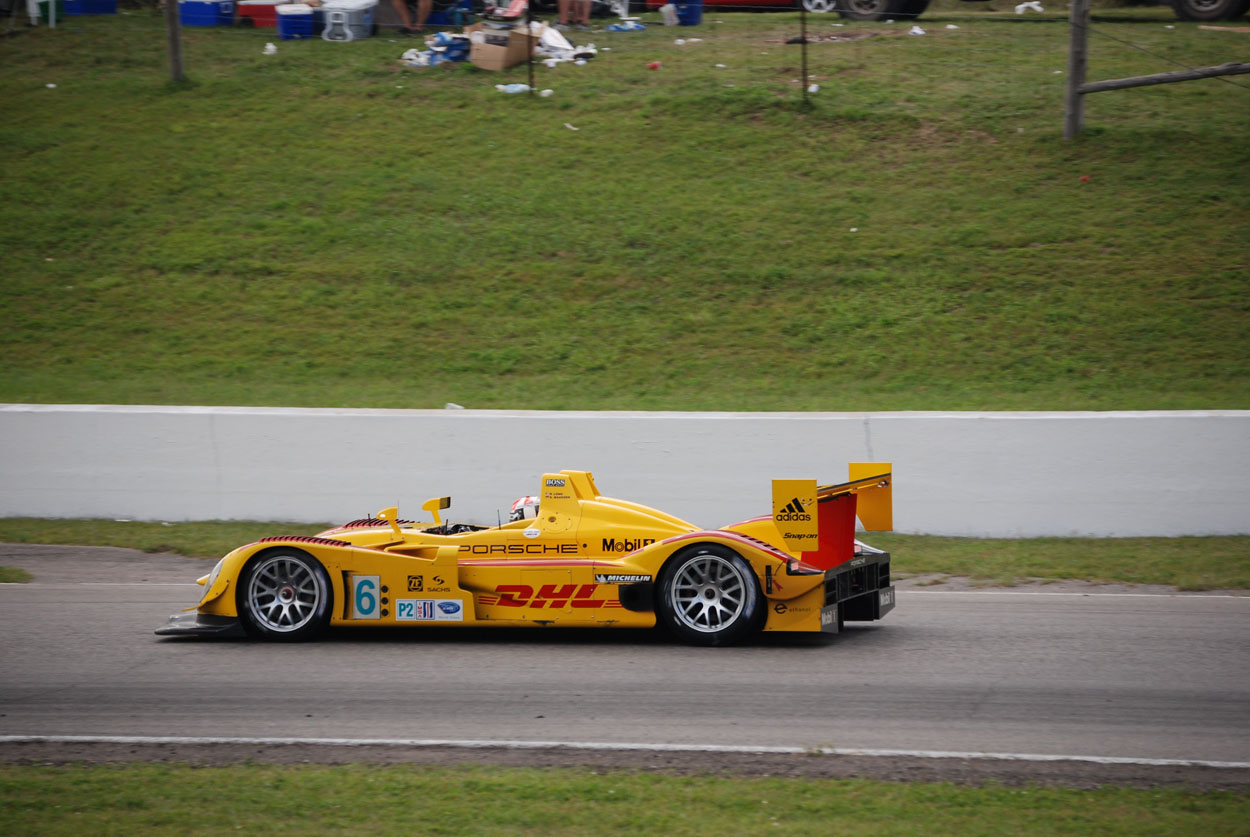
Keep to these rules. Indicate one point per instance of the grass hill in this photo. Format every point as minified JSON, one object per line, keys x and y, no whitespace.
{"x":324,"y":227}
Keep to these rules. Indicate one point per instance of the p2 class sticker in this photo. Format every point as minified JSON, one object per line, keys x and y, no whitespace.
{"x":429,"y":610}
{"x":532,"y":533}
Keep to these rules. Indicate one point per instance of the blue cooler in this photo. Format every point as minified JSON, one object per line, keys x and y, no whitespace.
{"x":295,"y":20}
{"x":689,"y":14}
{"x":90,"y":7}
{"x":206,"y":12}
{"x":455,"y":13}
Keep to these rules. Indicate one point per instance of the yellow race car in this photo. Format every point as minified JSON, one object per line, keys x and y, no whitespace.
{"x":568,"y":557}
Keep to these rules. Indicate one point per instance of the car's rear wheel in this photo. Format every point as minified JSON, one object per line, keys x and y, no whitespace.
{"x":820,"y":7}
{"x":881,"y":9}
{"x":1207,"y":10}
{"x":284,"y":595}
{"x":709,"y":596}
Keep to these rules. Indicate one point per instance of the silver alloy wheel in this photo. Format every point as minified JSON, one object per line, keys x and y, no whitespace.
{"x":284,"y":594}
{"x":819,"y":7}
{"x":708,"y":593}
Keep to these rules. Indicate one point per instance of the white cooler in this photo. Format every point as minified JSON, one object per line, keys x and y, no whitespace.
{"x":347,"y":20}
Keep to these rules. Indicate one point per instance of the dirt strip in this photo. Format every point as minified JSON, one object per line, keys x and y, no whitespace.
{"x":751,"y":765}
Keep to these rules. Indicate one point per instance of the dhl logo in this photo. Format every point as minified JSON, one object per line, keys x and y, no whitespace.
{"x":550,"y":596}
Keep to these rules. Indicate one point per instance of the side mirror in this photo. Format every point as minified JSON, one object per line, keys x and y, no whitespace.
{"x":434,"y":505}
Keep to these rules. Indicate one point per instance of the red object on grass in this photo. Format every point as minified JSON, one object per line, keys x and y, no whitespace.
{"x":654,"y":65}
{"x":260,"y":14}
{"x":1085,"y":178}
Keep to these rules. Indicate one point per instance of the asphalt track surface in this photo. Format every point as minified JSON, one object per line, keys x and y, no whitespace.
{"x":1053,"y":671}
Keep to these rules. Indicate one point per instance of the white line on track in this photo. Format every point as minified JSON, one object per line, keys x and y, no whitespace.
{"x":907,"y":591}
{"x":605,"y":746}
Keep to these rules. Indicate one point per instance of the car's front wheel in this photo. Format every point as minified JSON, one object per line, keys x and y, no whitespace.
{"x":284,"y":595}
{"x":820,"y":7}
{"x":881,"y":9}
{"x":709,"y":596}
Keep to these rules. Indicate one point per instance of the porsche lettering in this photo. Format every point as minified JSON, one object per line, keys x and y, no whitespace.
{"x":519,"y":548}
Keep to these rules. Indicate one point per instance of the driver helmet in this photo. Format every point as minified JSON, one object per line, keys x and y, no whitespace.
{"x":522,"y":508}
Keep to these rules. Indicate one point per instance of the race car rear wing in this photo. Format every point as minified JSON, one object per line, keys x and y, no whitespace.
{"x":827,"y":538}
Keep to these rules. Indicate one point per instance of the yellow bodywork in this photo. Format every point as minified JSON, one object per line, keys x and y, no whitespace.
{"x":585,"y":560}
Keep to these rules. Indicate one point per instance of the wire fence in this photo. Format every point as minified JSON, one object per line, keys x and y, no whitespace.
{"x":771,"y":39}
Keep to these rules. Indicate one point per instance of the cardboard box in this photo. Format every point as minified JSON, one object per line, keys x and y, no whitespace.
{"x":499,"y":49}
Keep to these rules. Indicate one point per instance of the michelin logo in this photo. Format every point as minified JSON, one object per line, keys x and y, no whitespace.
{"x":620,"y":578}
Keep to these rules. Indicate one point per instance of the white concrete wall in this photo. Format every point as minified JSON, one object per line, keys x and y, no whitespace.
{"x":976,"y":474}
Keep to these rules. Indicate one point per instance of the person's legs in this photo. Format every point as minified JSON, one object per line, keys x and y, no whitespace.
{"x":423,"y":12}
{"x":401,"y":9}
{"x":563,"y":6}
{"x":581,"y":13}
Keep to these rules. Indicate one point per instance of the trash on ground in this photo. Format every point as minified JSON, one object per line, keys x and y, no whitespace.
{"x":270,"y":49}
{"x":546,"y":93}
{"x":624,"y":26}
{"x":516,"y":87}
{"x":951,"y":26}
{"x":654,"y":65}
{"x":915,"y":30}
{"x":669,"y":12}
{"x":571,"y":127}
{"x":1029,"y":5}
{"x":813,"y":88}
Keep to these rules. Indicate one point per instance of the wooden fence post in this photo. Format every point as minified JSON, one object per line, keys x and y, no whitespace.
{"x":1078,"y":53}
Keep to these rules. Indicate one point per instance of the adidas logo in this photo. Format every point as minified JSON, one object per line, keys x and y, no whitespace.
{"x":793,"y":511}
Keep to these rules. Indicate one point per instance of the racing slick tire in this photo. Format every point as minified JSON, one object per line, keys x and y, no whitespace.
{"x":284,"y":595}
{"x":709,"y":596}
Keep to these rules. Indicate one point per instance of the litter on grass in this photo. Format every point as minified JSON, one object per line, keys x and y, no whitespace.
{"x":1029,"y":5}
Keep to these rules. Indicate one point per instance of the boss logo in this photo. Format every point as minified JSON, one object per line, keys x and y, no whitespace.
{"x":555,"y":483}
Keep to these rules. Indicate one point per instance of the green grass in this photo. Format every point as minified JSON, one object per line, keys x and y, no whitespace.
{"x":123,"y":799}
{"x":325,"y":228}
{"x":1187,"y":563}
{"x":1207,"y":563}
{"x":13,"y":575}
{"x":200,"y":539}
